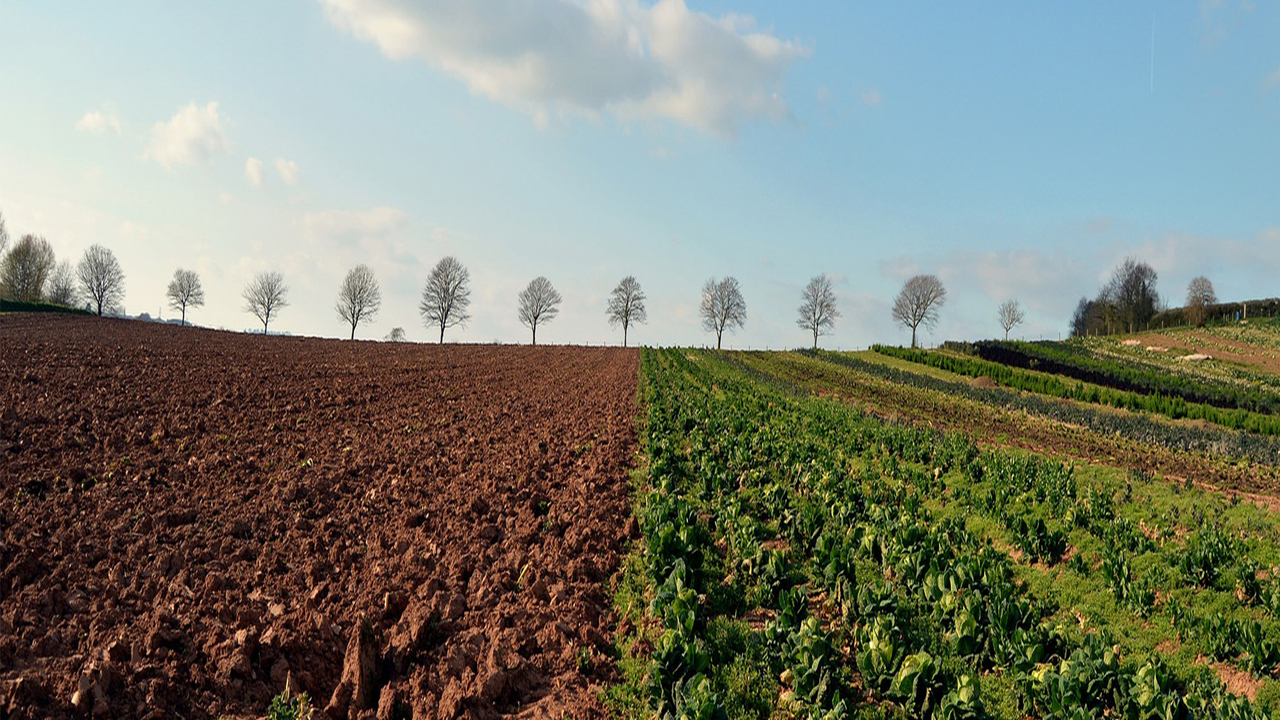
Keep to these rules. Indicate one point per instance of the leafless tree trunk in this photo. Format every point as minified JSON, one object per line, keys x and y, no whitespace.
{"x":264,"y":296}
{"x":26,"y":269}
{"x":918,"y":303}
{"x":1011,"y":316}
{"x":4,"y":237}
{"x":539,"y":303}
{"x":359,"y":298}
{"x":446,"y":296}
{"x":62,"y":286}
{"x":722,"y":306}
{"x":626,"y":305}
{"x":818,"y":309}
{"x":101,"y":279}
{"x":1200,"y":296}
{"x":185,"y":291}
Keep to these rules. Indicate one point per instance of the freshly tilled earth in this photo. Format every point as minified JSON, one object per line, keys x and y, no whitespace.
{"x":189,"y":519}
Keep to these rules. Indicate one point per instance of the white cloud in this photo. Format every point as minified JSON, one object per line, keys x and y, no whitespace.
{"x":288,"y":170}
{"x":253,"y":171}
{"x":573,"y":57}
{"x":872,"y":98}
{"x":193,"y":136}
{"x":99,"y":122}
{"x":351,"y":226}
{"x":226,"y":198}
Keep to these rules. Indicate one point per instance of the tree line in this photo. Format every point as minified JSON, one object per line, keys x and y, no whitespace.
{"x":1129,"y":301}
{"x":30,"y":272}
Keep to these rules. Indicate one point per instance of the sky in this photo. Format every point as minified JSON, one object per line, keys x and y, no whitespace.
{"x":1016,"y":150}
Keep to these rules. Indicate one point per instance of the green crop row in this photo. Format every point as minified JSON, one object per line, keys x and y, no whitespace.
{"x":795,"y":567}
{"x":1219,"y":441}
{"x":1171,"y":406}
{"x":1076,"y":361}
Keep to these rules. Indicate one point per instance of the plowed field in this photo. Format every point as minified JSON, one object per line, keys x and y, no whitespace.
{"x":189,"y":518}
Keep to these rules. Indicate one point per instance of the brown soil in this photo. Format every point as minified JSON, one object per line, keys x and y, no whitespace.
{"x":188,"y":518}
{"x":1219,"y":348}
{"x":1237,"y":681}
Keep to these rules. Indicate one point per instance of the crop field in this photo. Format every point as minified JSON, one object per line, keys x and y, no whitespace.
{"x":1009,"y":417}
{"x":1244,"y":352}
{"x":189,"y":519}
{"x":804,"y":558}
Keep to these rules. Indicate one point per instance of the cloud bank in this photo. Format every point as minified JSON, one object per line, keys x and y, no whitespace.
{"x":347,"y":227}
{"x":589,"y":56}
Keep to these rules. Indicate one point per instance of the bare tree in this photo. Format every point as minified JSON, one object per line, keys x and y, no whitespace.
{"x":62,"y":286}
{"x":359,"y":298}
{"x":918,"y":303}
{"x":396,"y":335}
{"x":539,"y":303}
{"x":818,"y":310}
{"x":185,"y":291}
{"x":626,"y":305}
{"x":722,"y":307}
{"x":1011,"y":316}
{"x":1132,"y":292}
{"x":446,"y":296}
{"x":26,"y":269}
{"x":1200,"y":296}
{"x":4,"y":237}
{"x":264,"y":296}
{"x":101,"y":279}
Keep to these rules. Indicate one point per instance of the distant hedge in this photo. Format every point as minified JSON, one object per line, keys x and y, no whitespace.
{"x":16,"y":306}
{"x":1221,"y":312}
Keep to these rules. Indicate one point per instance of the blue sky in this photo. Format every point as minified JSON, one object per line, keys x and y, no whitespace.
{"x":1014,"y":149}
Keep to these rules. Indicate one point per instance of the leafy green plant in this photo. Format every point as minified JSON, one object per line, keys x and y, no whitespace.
{"x":1207,"y":552}
{"x":284,"y":707}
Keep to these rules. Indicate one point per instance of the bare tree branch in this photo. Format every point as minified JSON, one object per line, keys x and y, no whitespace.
{"x":1200,"y":295}
{"x":1132,"y":291}
{"x":539,"y":303}
{"x":264,"y":296}
{"x":918,"y":303}
{"x":722,"y":307}
{"x":396,"y":335}
{"x":26,"y":269}
{"x":626,"y":305}
{"x":4,"y":237}
{"x":62,"y":286}
{"x":185,"y":291}
{"x":359,"y":298}
{"x":446,"y":296}
{"x":1011,"y":316}
{"x":818,"y":310}
{"x":101,"y":279}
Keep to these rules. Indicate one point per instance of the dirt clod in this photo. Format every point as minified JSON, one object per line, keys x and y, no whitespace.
{"x":206,"y":516}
